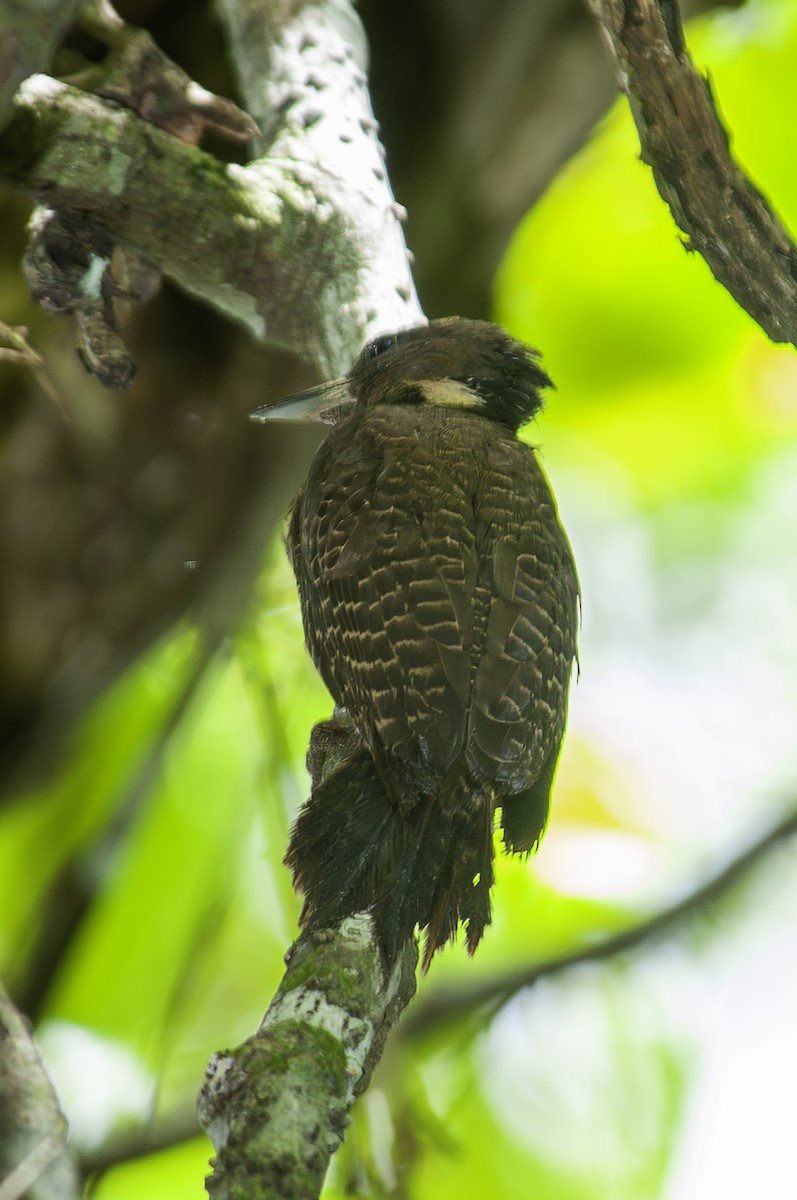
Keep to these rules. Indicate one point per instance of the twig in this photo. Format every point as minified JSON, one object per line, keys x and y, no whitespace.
{"x":20,"y":352}
{"x":485,"y":998}
{"x":723,"y":214}
{"x":26,"y":1173}
{"x":126,"y":1145}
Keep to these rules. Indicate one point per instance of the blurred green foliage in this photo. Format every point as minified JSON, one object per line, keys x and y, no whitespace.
{"x":670,"y":442}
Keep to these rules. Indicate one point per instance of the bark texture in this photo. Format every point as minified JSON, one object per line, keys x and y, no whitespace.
{"x":720,"y":210}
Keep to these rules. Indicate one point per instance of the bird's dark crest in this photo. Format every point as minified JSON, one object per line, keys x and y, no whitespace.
{"x":505,"y":372}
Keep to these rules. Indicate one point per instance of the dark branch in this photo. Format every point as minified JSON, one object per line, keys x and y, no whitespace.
{"x":485,"y":998}
{"x":127,"y":1145}
{"x":723,"y":214}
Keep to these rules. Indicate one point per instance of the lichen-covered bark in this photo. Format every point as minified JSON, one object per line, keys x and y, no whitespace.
{"x":277,"y":1107}
{"x":33,"y":1161}
{"x":260,"y":243}
{"x":303,"y":245}
{"x":302,"y":74}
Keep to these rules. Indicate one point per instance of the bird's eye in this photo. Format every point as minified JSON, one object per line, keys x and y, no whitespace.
{"x":380,"y":344}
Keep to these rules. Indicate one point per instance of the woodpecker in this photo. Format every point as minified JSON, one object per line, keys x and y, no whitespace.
{"x":440,"y":603}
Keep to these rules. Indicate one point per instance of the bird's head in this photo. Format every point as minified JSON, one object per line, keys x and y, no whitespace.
{"x":450,"y":363}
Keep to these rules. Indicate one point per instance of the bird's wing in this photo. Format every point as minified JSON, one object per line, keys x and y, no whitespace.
{"x":389,"y":555}
{"x":441,"y":600}
{"x":519,"y":703}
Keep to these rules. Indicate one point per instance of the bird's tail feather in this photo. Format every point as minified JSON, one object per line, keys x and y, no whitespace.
{"x":429,"y":864}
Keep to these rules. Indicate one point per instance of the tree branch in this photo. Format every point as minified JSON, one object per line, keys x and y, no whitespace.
{"x":720,"y":210}
{"x":162,"y":1132}
{"x":137,"y":74}
{"x":304,"y":245}
{"x":302,"y":74}
{"x":489,"y":995}
{"x":277,"y":1107}
{"x":33,"y":1161}
{"x":30,"y":33}
{"x":268,"y":244}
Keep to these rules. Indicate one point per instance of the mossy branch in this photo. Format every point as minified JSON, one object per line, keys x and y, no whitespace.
{"x":277,"y":1107}
{"x":303,"y":245}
